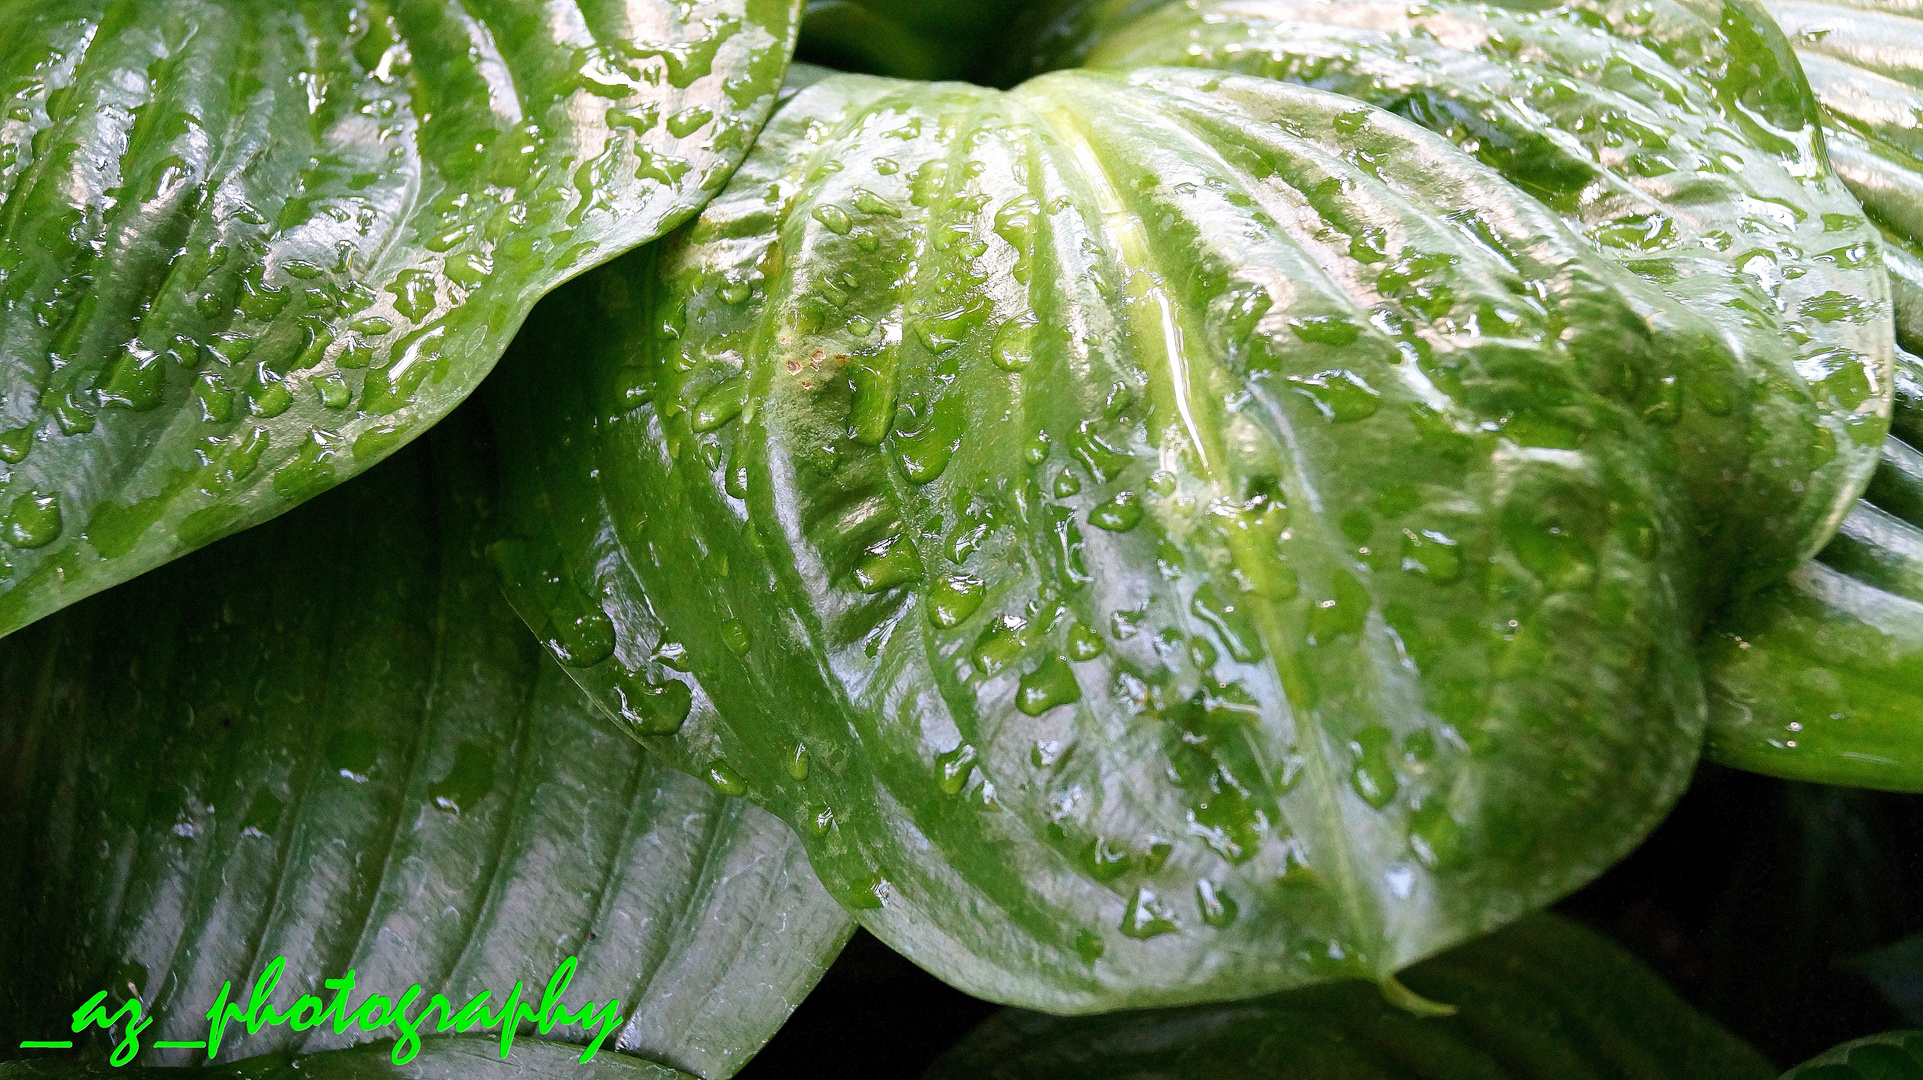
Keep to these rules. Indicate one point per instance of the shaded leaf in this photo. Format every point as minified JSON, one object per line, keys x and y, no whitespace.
{"x":1198,"y":535}
{"x":1545,"y":998}
{"x":330,"y":740}
{"x":907,"y":39}
{"x":1895,"y":1055}
{"x":246,"y":251}
{"x":1897,"y":970}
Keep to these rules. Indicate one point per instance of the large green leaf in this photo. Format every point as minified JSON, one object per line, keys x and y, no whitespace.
{"x":1818,"y":678}
{"x":330,"y":740}
{"x":446,"y":1058}
{"x":1544,"y":999}
{"x":1678,"y":135}
{"x":1865,"y":63}
{"x":1821,"y":677}
{"x":1895,"y":1055}
{"x":247,"y":250}
{"x":1163,"y":537}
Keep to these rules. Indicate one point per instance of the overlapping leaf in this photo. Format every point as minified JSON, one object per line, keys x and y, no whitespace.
{"x":330,"y":740}
{"x":247,"y":250}
{"x":1865,"y":64}
{"x":1169,"y":536}
{"x":1816,"y":679}
{"x":1894,"y":1055}
{"x":1545,"y":999}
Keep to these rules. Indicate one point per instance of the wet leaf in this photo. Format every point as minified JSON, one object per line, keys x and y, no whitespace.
{"x":1204,"y":535}
{"x":247,"y":252}
{"x":330,"y":740}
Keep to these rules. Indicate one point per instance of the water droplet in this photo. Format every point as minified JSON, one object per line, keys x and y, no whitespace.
{"x":834,"y":219}
{"x":15,"y":445}
{"x":870,"y":203}
{"x":1342,"y":396}
{"x":887,"y":565}
{"x":1036,"y":451}
{"x":1000,"y":644}
{"x":1147,"y":916}
{"x":1014,"y":346}
{"x":689,"y":120}
{"x":1089,"y":947}
{"x":1084,"y":644}
{"x":952,"y":768}
{"x":468,"y":779}
{"x":1050,"y":685}
{"x":734,"y":634}
{"x":722,"y":777}
{"x":1106,"y":861}
{"x":1434,"y":835}
{"x":352,"y":754}
{"x":719,"y":406}
{"x":1373,"y":777}
{"x":821,"y":818}
{"x":1119,"y":514}
{"x":413,"y":293}
{"x":34,"y":521}
{"x":1218,"y":908}
{"x":1067,"y":485}
{"x":798,"y":763}
{"x":1162,"y":482}
{"x":954,"y":599}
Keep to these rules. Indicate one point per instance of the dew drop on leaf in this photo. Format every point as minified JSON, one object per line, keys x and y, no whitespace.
{"x":1050,"y":685}
{"x":1218,"y":908}
{"x":722,"y":777}
{"x":954,"y":599}
{"x":34,"y":520}
{"x":734,"y":634}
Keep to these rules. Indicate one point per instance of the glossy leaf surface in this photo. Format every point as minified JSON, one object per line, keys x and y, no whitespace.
{"x":1896,"y":1055}
{"x":446,"y":1058}
{"x":1821,"y":677}
{"x":1158,"y":537}
{"x":1865,"y":64}
{"x":1677,"y":136}
{"x":330,"y":740}
{"x":248,"y":250}
{"x":1544,"y":1000}
{"x":1815,"y":679}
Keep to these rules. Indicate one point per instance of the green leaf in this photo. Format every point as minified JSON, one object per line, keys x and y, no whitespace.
{"x":1680,"y":138}
{"x":445,"y":1058}
{"x":247,"y":251}
{"x":1159,"y":538}
{"x":1816,"y":678}
{"x":1894,"y":1055}
{"x":1544,"y":999}
{"x":1897,"y":971}
{"x":1820,"y":677}
{"x":1865,"y":64}
{"x":331,"y":740}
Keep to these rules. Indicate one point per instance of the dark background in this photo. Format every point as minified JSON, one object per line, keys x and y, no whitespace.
{"x":1754,"y":900}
